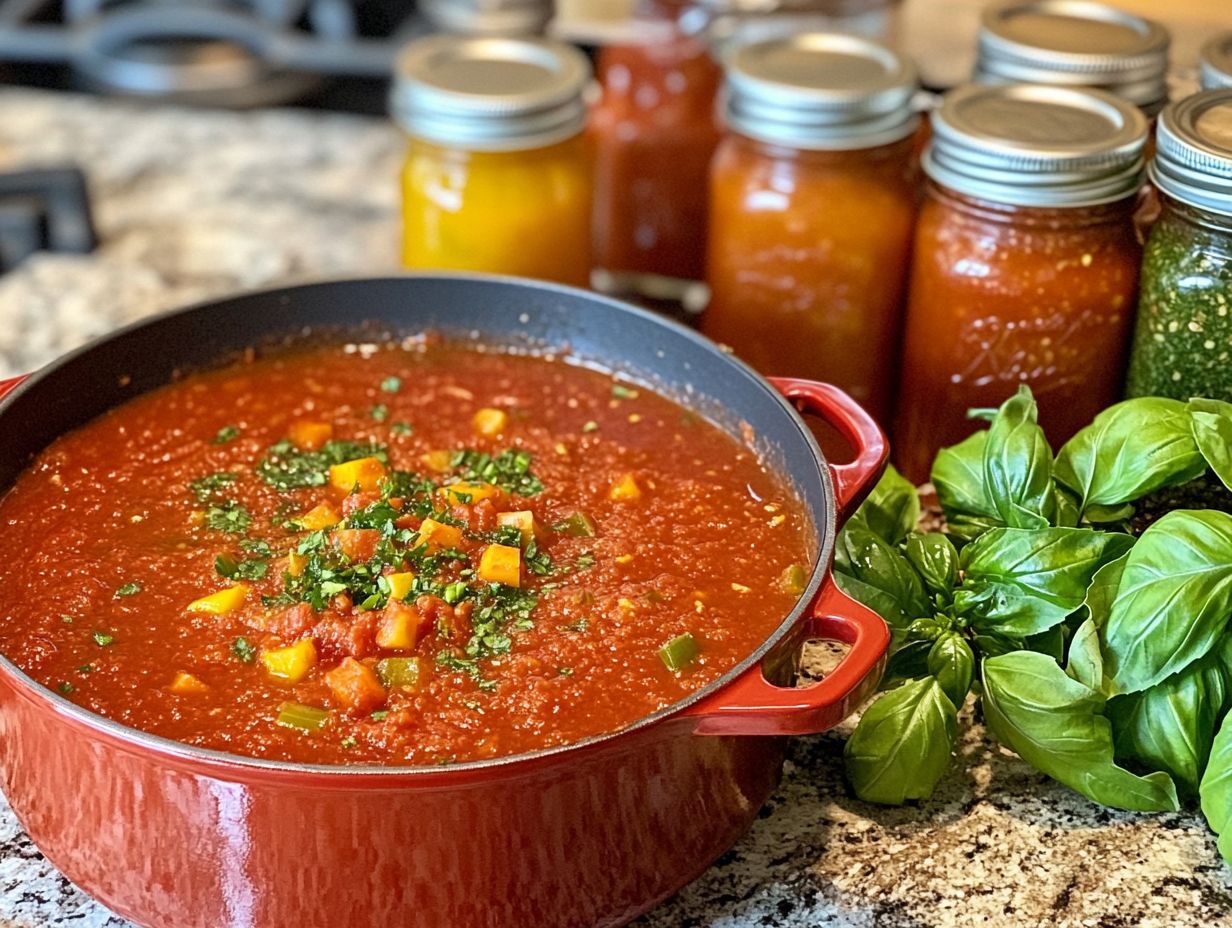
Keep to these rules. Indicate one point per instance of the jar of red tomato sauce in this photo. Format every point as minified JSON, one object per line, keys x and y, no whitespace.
{"x":813,"y":193}
{"x":1076,"y":44}
{"x":1025,"y":263}
{"x":654,"y":130}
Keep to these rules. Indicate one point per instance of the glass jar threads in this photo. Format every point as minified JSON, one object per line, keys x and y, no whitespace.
{"x":1183,"y":340}
{"x":813,"y":194}
{"x":1076,"y":43}
{"x":1025,"y":263}
{"x":497,"y":176}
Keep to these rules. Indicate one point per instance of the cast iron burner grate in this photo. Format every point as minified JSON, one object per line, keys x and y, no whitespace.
{"x":235,"y":53}
{"x":44,"y":210}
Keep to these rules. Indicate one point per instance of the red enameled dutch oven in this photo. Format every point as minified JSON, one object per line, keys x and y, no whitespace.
{"x":592,"y":833}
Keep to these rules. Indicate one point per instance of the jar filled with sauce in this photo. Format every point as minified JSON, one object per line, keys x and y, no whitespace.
{"x":1216,"y":62}
{"x":1025,"y":264}
{"x":655,"y":130}
{"x":498,"y":169}
{"x":1076,"y":43}
{"x":1183,"y":340}
{"x":813,"y":194}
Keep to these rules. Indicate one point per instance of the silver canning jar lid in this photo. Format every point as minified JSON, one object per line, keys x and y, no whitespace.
{"x":1217,"y":62}
{"x":1075,"y":43}
{"x":488,"y":17}
{"x":820,"y":91}
{"x":1193,"y":151}
{"x":490,"y":94}
{"x":1033,"y":145}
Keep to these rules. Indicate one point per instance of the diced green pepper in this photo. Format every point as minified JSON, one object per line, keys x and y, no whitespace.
{"x":305,"y":718}
{"x":577,"y":525}
{"x":398,"y":672}
{"x":793,"y":580}
{"x":680,"y":652}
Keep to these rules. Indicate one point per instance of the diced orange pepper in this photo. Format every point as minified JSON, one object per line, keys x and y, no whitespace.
{"x":365,"y":474}
{"x":490,"y":422}
{"x":296,"y":563}
{"x":318,"y":517}
{"x":399,"y":627}
{"x":523,"y":521}
{"x":469,"y":492}
{"x":355,"y":686}
{"x":292,"y":663}
{"x":438,"y":535}
{"x":501,"y":564}
{"x":184,"y":684}
{"x":222,"y":602}
{"x":310,"y":435}
{"x":359,"y":544}
{"x":400,"y":584}
{"x":625,"y":488}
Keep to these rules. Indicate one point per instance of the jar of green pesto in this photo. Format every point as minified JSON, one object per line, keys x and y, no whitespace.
{"x":1183,"y":340}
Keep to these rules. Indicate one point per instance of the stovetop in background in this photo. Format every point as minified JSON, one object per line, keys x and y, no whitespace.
{"x":334,"y":54}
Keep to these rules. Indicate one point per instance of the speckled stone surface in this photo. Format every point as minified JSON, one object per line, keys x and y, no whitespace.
{"x":192,"y":204}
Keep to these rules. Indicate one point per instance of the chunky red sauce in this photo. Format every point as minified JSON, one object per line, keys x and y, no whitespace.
{"x":241,"y":561}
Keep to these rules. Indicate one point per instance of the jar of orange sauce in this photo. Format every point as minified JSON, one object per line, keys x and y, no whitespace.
{"x":655,"y":130}
{"x":1025,"y":264}
{"x":498,"y":173}
{"x":813,"y":194}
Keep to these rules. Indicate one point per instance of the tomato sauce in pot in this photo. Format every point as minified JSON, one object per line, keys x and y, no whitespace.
{"x":416,"y":553}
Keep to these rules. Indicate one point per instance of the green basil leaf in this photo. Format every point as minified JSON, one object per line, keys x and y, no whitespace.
{"x":935,"y":559}
{"x":1068,"y":514}
{"x":1051,"y":642}
{"x":1211,"y":423}
{"x":1216,"y":788}
{"x":958,"y":476}
{"x":1086,"y":662}
{"x":1170,"y":727}
{"x":1021,"y":582}
{"x":1018,"y":465}
{"x":902,"y":745}
{"x":1130,"y":450}
{"x":909,"y":661}
{"x":991,"y":644}
{"x":892,"y":509}
{"x":1173,"y":601}
{"x":886,"y":583}
{"x":1057,"y":725}
{"x":952,"y":664}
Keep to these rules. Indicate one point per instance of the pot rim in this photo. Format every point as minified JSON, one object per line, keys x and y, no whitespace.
{"x":136,"y":739}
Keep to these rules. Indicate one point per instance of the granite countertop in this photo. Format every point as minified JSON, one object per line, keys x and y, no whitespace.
{"x":191,"y":204}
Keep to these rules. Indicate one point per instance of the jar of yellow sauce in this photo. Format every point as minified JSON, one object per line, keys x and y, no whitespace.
{"x":498,"y":172}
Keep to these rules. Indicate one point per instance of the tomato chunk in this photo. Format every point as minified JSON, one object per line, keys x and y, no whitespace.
{"x":355,"y":687}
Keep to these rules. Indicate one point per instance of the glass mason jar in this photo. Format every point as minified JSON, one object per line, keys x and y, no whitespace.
{"x":813,"y":195}
{"x":1025,"y":263}
{"x":1183,"y":340}
{"x":655,"y":130}
{"x":1217,"y":62}
{"x":498,"y":171}
{"x":488,"y":17}
{"x":1068,"y":44}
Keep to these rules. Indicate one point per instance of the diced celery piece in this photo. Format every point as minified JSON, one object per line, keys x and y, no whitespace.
{"x":680,"y":652}
{"x":305,"y":718}
{"x":399,"y":671}
{"x":579,"y":525}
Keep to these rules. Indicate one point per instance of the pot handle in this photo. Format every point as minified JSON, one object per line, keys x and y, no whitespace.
{"x":751,"y":705}
{"x":7,"y":386}
{"x":854,"y":481}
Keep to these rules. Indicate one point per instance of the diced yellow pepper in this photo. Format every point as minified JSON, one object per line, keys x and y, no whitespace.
{"x":440,"y":462}
{"x":625,"y":488}
{"x":296,"y":563}
{"x":310,"y":435}
{"x":469,"y":492}
{"x":364,"y":473}
{"x":501,"y":564}
{"x":400,"y":584}
{"x":222,"y":602}
{"x":490,"y":422}
{"x":290,"y":664}
{"x":437,"y":535}
{"x":319,"y":517}
{"x":523,"y":521}
{"x":184,"y":684}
